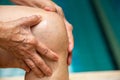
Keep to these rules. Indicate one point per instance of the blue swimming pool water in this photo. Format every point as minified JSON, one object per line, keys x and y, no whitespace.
{"x":15,"y":72}
{"x":11,"y":72}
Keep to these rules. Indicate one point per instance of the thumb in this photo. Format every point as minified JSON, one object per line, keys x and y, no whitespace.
{"x":47,"y":5}
{"x":26,"y":21}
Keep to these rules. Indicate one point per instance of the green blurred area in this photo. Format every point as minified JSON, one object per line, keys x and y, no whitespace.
{"x":5,"y":2}
{"x":90,"y":52}
{"x":96,"y":32}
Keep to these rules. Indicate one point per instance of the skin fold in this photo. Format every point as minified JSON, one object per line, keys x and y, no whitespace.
{"x":51,"y":31}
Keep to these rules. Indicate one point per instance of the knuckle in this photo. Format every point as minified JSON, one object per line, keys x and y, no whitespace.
{"x":32,"y":66}
{"x":40,"y":63}
{"x":21,"y":21}
{"x":40,"y":74}
{"x":60,"y":11}
{"x":45,"y":51}
{"x":59,"y":8}
{"x":32,"y":41}
{"x":48,"y":70}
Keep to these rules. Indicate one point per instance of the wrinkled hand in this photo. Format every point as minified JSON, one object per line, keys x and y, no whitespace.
{"x":44,"y":4}
{"x":16,"y":37}
{"x":10,"y":61}
{"x":51,"y":6}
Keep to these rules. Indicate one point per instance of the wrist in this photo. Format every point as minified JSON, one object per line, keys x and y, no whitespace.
{"x":5,"y":59}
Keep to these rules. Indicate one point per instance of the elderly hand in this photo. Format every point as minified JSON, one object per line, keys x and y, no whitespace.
{"x":16,"y":38}
{"x":44,"y":4}
{"x":51,"y":6}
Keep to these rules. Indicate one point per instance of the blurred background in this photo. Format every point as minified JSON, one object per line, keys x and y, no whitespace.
{"x":96,"y":31}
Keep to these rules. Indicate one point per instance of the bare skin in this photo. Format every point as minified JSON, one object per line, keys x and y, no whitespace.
{"x":51,"y":31}
{"x":44,"y":4}
{"x":49,"y":5}
{"x":30,"y":41}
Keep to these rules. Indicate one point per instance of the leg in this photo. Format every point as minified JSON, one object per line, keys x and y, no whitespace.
{"x":51,"y":31}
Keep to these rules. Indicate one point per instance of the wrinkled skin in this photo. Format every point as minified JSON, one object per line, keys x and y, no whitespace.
{"x":51,"y":31}
{"x":17,"y":39}
{"x":31,"y":42}
{"x":51,"y":6}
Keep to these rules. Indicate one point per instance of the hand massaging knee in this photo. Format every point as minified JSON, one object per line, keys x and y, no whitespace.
{"x":51,"y":31}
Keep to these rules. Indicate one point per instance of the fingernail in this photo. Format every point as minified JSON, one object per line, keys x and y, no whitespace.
{"x":70,"y":47}
{"x":56,"y":57}
{"x":27,"y":69}
{"x":37,"y":16}
{"x":49,"y":73}
{"x":48,"y":9}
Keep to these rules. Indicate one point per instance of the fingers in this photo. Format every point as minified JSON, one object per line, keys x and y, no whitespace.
{"x":70,"y":48}
{"x":44,"y":4}
{"x":26,"y":21}
{"x":69,"y":59}
{"x":25,"y":67}
{"x":42,"y":49}
{"x":59,"y":10}
{"x":47,"y":5}
{"x":41,"y":64}
{"x":36,"y":63}
{"x":70,"y":35}
{"x":18,"y":2}
{"x":71,"y":40}
{"x":34,"y":68}
{"x":24,"y":3}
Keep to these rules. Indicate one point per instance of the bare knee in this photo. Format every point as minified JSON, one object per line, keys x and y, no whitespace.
{"x":52,"y":32}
